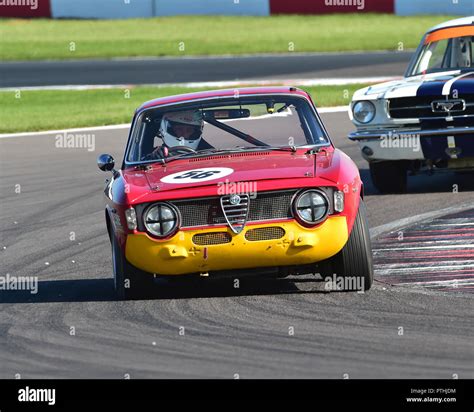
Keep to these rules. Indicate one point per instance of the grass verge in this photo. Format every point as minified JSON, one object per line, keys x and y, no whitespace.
{"x":37,"y":110}
{"x":39,"y":39}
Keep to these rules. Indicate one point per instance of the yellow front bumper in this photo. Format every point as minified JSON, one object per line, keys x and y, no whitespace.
{"x":179,"y":255}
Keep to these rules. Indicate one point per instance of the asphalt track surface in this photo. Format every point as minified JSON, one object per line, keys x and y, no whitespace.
{"x":227,"y":331}
{"x":198,"y":69}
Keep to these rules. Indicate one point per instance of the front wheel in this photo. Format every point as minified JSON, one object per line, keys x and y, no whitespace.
{"x":389,"y":176}
{"x":128,"y":282}
{"x":353,"y":266}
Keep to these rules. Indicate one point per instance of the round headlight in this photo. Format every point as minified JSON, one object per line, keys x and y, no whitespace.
{"x":161,"y":219}
{"x":364,"y":111}
{"x":311,"y":206}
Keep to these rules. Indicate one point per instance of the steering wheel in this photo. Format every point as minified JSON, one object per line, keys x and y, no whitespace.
{"x":176,"y":150}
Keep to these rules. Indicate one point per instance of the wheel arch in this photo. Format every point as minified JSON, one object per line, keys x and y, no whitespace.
{"x":108,"y":224}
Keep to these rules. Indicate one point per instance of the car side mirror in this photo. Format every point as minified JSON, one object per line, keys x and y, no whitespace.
{"x":105,"y":162}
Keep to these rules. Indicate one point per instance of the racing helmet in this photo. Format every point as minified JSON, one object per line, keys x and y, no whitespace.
{"x":461,"y":54}
{"x":182,"y":128}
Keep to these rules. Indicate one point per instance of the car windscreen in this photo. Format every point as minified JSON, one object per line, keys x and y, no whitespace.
{"x":445,"y":54}
{"x":244,"y":123}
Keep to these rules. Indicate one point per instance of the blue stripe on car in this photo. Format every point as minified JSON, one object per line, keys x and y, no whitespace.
{"x":465,"y":85}
{"x":434,"y":148}
{"x":431,"y":88}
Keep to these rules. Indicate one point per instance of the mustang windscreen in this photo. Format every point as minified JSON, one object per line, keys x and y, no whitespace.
{"x":242,"y":124}
{"x":445,"y":54}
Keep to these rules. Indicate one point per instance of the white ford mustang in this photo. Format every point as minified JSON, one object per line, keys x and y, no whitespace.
{"x":424,"y":122}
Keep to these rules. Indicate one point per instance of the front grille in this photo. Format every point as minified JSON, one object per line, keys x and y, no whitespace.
{"x":420,"y":107}
{"x":216,"y":238}
{"x":235,"y":213}
{"x":200,"y":212}
{"x":208,"y":211}
{"x":264,"y":233}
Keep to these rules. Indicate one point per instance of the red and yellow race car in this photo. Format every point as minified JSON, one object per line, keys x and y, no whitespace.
{"x":234,"y":183}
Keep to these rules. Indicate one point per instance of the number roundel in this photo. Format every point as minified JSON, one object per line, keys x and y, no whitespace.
{"x":197,"y":175}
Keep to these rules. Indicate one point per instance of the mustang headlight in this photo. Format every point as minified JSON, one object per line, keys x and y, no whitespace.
{"x":311,"y":206}
{"x":161,"y":219}
{"x":364,"y":111}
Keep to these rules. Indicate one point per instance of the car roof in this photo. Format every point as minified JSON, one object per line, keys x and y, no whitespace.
{"x":463,"y":21}
{"x":248,"y":91}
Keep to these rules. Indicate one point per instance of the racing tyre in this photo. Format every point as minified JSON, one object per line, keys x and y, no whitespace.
{"x":354,"y":261}
{"x":389,"y":177}
{"x":128,"y":282}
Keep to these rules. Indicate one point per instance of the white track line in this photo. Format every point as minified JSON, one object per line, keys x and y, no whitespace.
{"x":453,"y":224}
{"x":391,"y":269}
{"x":406,"y":222}
{"x":462,"y":284}
{"x":79,"y":129}
{"x":459,"y":282}
{"x":218,"y":84}
{"x":337,"y":109}
{"x":462,"y":246}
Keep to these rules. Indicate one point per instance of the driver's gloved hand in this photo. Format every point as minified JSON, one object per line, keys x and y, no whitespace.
{"x":159,"y":152}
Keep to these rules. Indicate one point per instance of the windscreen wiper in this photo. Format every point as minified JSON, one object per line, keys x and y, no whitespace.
{"x":204,"y":152}
{"x":276,"y":148}
{"x":201,"y":153}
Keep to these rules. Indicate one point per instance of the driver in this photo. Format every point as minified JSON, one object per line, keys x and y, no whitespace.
{"x":178,"y":130}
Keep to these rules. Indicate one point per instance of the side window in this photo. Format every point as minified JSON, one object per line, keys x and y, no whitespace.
{"x":144,"y":138}
{"x":134,"y":152}
{"x":471,"y":49}
{"x":465,"y":52}
{"x":440,"y":52}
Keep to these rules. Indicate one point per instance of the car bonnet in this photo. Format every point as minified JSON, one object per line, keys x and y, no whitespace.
{"x":219,"y":169}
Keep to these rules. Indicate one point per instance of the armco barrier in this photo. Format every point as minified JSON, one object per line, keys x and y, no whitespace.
{"x":121,"y":9}
{"x":454,"y":7}
{"x":25,"y":8}
{"x":222,"y":7}
{"x":102,"y":9}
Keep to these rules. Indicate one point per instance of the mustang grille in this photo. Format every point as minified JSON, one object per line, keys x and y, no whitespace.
{"x":421,"y":107}
{"x":216,"y":238}
{"x":208,"y":211}
{"x":264,"y":233}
